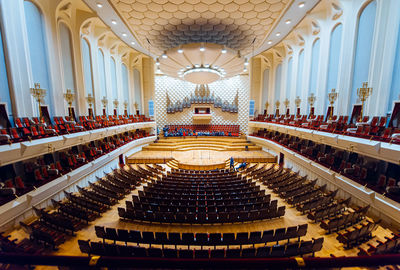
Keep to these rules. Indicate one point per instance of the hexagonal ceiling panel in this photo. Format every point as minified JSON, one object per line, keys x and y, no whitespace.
{"x":163,"y":24}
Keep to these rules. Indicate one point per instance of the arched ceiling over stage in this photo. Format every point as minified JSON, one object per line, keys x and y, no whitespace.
{"x":154,"y":26}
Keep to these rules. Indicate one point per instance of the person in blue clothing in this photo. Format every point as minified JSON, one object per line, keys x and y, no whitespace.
{"x":231,"y":163}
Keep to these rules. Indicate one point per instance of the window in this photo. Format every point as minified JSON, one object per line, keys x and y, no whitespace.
{"x":289,"y":78}
{"x":67,"y":57}
{"x":314,"y":67}
{"x":365,"y":32}
{"x":87,"y":66}
{"x":4,"y":86}
{"x":278,"y":78}
{"x":114,"y":79}
{"x":334,"y":56}
{"x":138,"y":89}
{"x":125,"y":83}
{"x":251,"y":107}
{"x":395,"y":86}
{"x":300,"y":73}
{"x":102,"y":73}
{"x":151,"y":108}
{"x":265,"y":88}
{"x":38,"y":49}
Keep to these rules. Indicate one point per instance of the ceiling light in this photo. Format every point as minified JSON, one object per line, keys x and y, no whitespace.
{"x":164,"y":55}
{"x":114,"y":22}
{"x":246,"y":62}
{"x":216,"y":67}
{"x":223,"y":50}
{"x":301,"y":5}
{"x":202,"y":75}
{"x":133,"y":43}
{"x":124,"y":34}
{"x":197,"y":65}
{"x":180,"y":50}
{"x":207,"y":65}
{"x":99,"y":5}
{"x":202,"y":49}
{"x":288,"y":21}
{"x":188,"y":66}
{"x":278,"y":34}
{"x":157,"y":62}
{"x":269,"y":42}
{"x":245,"y":70}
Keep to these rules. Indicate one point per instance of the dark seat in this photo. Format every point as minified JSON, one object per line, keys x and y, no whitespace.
{"x":249,"y":252}
{"x":201,"y":254}
{"x":242,"y":238}
{"x":201,"y":239}
{"x":170,"y":253}
{"x":217,"y":253}
{"x":255,"y":238}
{"x":161,"y":238}
{"x":263,"y":252}
{"x":187,"y":239}
{"x":186,"y":254}
{"x":123,"y":235}
{"x":233,"y":253}
{"x":154,"y":252}
{"x":135,"y":236}
{"x":139,"y":252}
{"x":215,"y":239}
{"x":278,"y":251}
{"x":268,"y":236}
{"x":148,"y":238}
{"x":174,"y":239}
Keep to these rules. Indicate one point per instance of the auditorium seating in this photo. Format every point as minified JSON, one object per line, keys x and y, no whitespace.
{"x":206,"y":130}
{"x":368,"y":171}
{"x":320,"y":205}
{"x":27,"y":129}
{"x":201,"y":239}
{"x":184,"y":196}
{"x":22,"y":177}
{"x":390,"y":246}
{"x":375,"y":128}
{"x":53,"y":228}
{"x":284,"y":250}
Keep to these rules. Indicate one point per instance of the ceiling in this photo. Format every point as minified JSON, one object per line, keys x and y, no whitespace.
{"x":153,"y":26}
{"x":201,"y":66}
{"x":169,"y":23}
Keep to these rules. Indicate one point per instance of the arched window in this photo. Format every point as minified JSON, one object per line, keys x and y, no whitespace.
{"x":334,"y":56}
{"x":395,"y":86}
{"x":4,"y":86}
{"x":67,"y":57}
{"x":314,"y":67}
{"x":278,"y":78}
{"x":289,"y":78}
{"x":138,"y":89}
{"x":87,"y":66}
{"x":38,"y":49}
{"x":102,"y":73}
{"x":265,"y":89}
{"x":365,"y":32}
{"x":114,"y":79}
{"x":300,"y":73}
{"x":125,"y":84}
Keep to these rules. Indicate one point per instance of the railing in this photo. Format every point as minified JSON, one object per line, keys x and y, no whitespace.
{"x":279,"y":263}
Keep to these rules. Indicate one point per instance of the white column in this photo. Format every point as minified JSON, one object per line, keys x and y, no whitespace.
{"x":16,"y":45}
{"x":382,"y":56}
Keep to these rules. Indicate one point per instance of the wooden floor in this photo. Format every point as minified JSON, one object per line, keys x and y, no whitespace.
{"x":292,"y":217}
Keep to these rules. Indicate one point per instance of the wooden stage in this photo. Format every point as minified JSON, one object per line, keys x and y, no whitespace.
{"x":201,"y":151}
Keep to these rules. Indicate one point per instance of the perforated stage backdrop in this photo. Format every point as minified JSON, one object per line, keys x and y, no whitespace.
{"x":225,"y":89}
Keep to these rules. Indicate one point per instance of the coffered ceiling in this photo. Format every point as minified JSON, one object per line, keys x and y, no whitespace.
{"x":155,"y":26}
{"x":170,"y":23}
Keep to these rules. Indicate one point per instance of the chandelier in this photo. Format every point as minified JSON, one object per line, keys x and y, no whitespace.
{"x":201,"y":63}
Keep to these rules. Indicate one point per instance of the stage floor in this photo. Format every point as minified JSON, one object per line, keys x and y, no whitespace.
{"x":200,"y":157}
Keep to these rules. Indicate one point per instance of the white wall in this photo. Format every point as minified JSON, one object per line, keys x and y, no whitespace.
{"x":225,"y":89}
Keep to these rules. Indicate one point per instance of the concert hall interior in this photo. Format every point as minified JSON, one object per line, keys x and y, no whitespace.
{"x":207,"y":134}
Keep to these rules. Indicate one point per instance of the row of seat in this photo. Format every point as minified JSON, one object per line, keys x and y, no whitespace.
{"x":380,"y":176}
{"x":284,"y":250}
{"x":334,"y":214}
{"x":35,"y":128}
{"x":201,"y":239}
{"x":375,"y":128}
